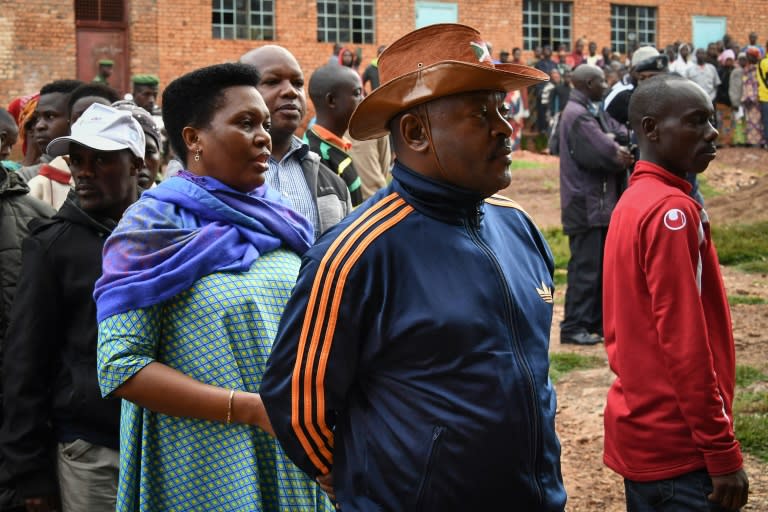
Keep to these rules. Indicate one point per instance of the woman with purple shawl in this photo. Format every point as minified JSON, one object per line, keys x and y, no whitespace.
{"x":195,"y":278}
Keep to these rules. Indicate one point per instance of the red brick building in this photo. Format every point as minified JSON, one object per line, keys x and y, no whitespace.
{"x":41,"y":40}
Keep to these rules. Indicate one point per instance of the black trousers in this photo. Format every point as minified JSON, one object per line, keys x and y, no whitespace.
{"x":584,"y":295}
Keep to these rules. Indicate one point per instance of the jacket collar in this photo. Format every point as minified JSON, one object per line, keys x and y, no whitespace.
{"x":644,"y":168}
{"x":437,"y":199}
{"x":71,"y":211}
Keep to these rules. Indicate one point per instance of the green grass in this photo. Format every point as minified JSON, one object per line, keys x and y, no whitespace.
{"x":518,"y":165}
{"x":750,"y":411}
{"x":707,"y":190}
{"x":743,"y":245}
{"x":748,"y":375}
{"x":561,"y":363}
{"x":751,"y":300}
{"x":558,"y":242}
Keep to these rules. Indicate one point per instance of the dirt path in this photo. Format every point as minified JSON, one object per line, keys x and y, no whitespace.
{"x":591,"y":486}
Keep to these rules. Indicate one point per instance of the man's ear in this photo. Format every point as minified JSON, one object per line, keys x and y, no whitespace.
{"x":330,"y":100}
{"x":413,"y":133}
{"x":650,"y":128}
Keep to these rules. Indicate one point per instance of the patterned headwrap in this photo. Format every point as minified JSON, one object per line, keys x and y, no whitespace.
{"x":26,"y":109}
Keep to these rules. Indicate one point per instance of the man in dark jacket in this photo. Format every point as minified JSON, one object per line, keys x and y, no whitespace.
{"x":411,"y":361}
{"x":309,"y":187}
{"x":17,"y":209}
{"x":49,"y":370}
{"x":593,"y":167}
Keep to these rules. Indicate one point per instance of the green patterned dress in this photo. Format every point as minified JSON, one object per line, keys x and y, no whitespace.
{"x":220,"y":332}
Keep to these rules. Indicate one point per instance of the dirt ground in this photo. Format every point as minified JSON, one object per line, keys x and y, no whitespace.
{"x":742,"y":175}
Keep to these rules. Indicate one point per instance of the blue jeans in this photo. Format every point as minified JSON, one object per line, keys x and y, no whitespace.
{"x":686,"y":493}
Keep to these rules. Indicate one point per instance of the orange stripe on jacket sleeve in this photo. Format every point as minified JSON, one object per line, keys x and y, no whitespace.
{"x":296,"y":378}
{"x":333,"y":316}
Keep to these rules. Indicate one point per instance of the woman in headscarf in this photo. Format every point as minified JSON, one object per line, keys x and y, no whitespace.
{"x":683,"y":61}
{"x":753,"y":127}
{"x":195,"y":278}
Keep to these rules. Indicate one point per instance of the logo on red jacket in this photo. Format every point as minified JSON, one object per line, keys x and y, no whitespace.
{"x":674,"y":219}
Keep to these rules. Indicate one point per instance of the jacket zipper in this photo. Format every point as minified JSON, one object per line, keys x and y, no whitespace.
{"x":472,"y":227}
{"x":437,"y":434}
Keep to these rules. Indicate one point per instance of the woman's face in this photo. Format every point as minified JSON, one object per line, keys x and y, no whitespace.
{"x":235,"y":147}
{"x":347,"y":58}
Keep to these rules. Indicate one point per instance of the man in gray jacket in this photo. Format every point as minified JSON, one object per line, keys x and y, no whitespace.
{"x":593,"y":168}
{"x":309,"y":186}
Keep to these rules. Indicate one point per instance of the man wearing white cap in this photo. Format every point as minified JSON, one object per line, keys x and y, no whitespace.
{"x":411,"y":361}
{"x":59,"y":436}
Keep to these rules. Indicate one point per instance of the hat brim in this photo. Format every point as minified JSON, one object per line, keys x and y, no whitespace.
{"x":60,"y":145}
{"x":372,"y":115}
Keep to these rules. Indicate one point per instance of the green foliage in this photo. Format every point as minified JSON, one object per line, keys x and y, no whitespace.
{"x":561,"y":363}
{"x":752,"y":433}
{"x":744,"y":245}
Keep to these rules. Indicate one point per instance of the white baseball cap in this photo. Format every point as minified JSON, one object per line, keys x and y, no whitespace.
{"x":102,"y":128}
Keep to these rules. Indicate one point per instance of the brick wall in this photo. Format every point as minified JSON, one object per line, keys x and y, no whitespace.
{"x":171,"y":37}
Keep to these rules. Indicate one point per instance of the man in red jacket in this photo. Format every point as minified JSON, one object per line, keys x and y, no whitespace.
{"x":668,"y":418}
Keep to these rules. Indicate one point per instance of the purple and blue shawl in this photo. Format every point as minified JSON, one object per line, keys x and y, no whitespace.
{"x":188,"y":227}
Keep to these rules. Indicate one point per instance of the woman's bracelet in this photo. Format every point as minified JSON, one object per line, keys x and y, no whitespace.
{"x":229,"y":406}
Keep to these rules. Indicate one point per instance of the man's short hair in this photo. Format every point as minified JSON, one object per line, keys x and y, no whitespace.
{"x":92,"y":89}
{"x":651,"y":98}
{"x":62,"y":86}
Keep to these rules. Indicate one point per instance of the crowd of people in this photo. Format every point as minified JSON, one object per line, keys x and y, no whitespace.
{"x":204,"y":308}
{"x":733,"y":74}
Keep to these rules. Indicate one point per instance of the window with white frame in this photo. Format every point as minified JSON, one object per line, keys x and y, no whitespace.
{"x":243,"y":19}
{"x":345,"y":21}
{"x":546,"y":23}
{"x":632,"y":26}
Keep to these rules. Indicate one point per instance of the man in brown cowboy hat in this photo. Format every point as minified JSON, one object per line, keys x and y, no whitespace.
{"x":411,"y":362}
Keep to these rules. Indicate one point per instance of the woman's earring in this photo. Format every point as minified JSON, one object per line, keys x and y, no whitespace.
{"x":197,"y":155}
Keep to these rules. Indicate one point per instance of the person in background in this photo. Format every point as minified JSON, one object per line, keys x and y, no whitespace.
{"x":346,"y":57}
{"x":593,"y":169}
{"x":593,"y":58}
{"x":294,"y":171}
{"x":335,"y":93}
{"x":17,"y":210}
{"x":146,"y":89}
{"x":59,"y":437}
{"x":150,"y":171}
{"x":23,"y":110}
{"x":735,"y":93}
{"x":195,"y":277}
{"x":683,"y":61}
{"x":762,"y":94}
{"x":753,"y":44}
{"x":750,"y":100}
{"x":371,"y":73}
{"x":9,"y":135}
{"x":723,"y":106}
{"x":368,"y":323}
{"x":668,"y":417}
{"x":54,"y":179}
{"x":106,"y":67}
{"x":704,"y":74}
{"x":51,"y":120}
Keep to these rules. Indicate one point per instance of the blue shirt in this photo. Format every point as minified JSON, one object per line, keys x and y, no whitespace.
{"x":287,"y":177}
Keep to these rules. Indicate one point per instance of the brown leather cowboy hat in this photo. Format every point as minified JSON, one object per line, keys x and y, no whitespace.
{"x":429,"y":63}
